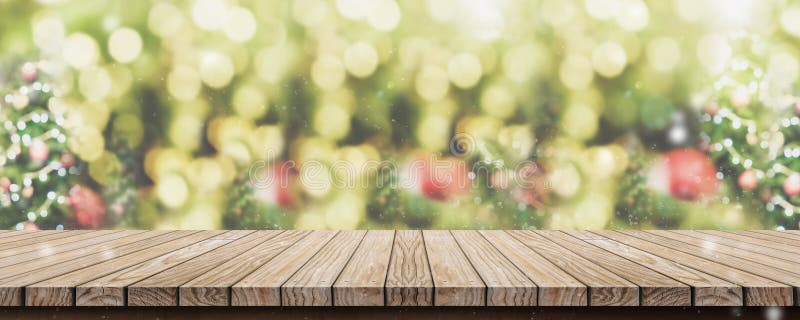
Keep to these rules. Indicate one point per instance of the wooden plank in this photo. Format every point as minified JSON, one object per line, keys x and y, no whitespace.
{"x":59,"y":291}
{"x":708,"y":290}
{"x":769,"y":237}
{"x":758,"y":291}
{"x":162,"y":289}
{"x":741,"y":245}
{"x":262,"y":287}
{"x":783,"y":234}
{"x":555,"y":287}
{"x":21,"y":235}
{"x":16,"y":277}
{"x":362,"y":279}
{"x":37,"y":244}
{"x":311,"y":285}
{"x":505,"y":284}
{"x":709,"y":247}
{"x":110,"y":289}
{"x":12,"y":243}
{"x":408,"y":280}
{"x":456,"y":283}
{"x":795,"y":250}
{"x":656,"y":288}
{"x":213,"y":287}
{"x":41,"y":252}
{"x":605,"y":287}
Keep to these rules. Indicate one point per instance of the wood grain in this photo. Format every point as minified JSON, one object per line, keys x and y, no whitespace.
{"x":758,"y":291}
{"x":408,"y":280}
{"x":708,"y":290}
{"x":58,"y":291}
{"x":47,"y":244}
{"x":656,"y":288}
{"x":212,"y":288}
{"x":311,"y":285}
{"x":46,"y":250}
{"x":361,"y":282}
{"x":555,"y":287}
{"x":742,"y":245}
{"x":12,"y":243}
{"x":16,"y":277}
{"x":791,"y":251}
{"x":456,"y":283}
{"x":786,"y":234}
{"x":162,"y":289}
{"x":110,"y":290}
{"x":605,"y":287}
{"x":505,"y":284}
{"x":262,"y":287}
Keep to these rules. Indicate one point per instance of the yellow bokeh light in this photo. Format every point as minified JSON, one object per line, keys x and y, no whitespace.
{"x":80,"y":51}
{"x":432,"y":83}
{"x":498,"y":101}
{"x":216,"y":69}
{"x":714,"y":52}
{"x":125,"y":45}
{"x":633,"y":15}
{"x":309,"y":13}
{"x":183,"y":83}
{"x":576,"y":72}
{"x":209,"y":14}
{"x":464,"y":70}
{"x":790,"y":21}
{"x":172,"y":190}
{"x":48,"y":33}
{"x":327,"y":72}
{"x":332,"y":122}
{"x":164,"y":19}
{"x":250,"y":102}
{"x":609,"y":59}
{"x":361,"y":59}
{"x":384,"y":15}
{"x":353,"y":9}
{"x":241,"y":25}
{"x":94,"y":83}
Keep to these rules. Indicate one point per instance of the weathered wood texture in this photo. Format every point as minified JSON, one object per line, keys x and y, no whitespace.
{"x":399,"y":268}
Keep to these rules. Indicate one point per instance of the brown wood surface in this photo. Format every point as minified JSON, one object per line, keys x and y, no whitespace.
{"x":212,"y":288}
{"x":311,"y":285}
{"x":456,"y":283}
{"x":262,"y":287}
{"x":555,"y":287}
{"x":162,"y":289}
{"x":759,"y":291}
{"x":399,"y":268}
{"x":361,"y":283}
{"x":656,"y":288}
{"x":408,"y":280}
{"x":605,"y":287}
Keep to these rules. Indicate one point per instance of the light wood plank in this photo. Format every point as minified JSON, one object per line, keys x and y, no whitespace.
{"x":783,"y":234}
{"x":12,"y":243}
{"x":456,"y":283}
{"x":44,"y":250}
{"x":110,"y":289}
{"x":770,"y":237}
{"x":162,"y":289}
{"x":505,"y":284}
{"x":16,"y":277}
{"x":311,"y":285}
{"x":708,"y":290}
{"x":758,"y":291}
{"x":605,"y":288}
{"x":793,"y":250}
{"x":47,"y":244}
{"x":361,"y":282}
{"x":262,"y":287}
{"x":213,"y":287}
{"x":741,"y":245}
{"x":555,"y":287}
{"x":711,"y":248}
{"x":656,"y":288}
{"x":22,"y":235}
{"x":409,"y":281}
{"x":58,"y":291}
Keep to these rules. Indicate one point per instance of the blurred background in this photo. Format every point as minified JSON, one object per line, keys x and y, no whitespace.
{"x":346,"y":114}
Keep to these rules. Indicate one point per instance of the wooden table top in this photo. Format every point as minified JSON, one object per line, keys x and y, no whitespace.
{"x":399,"y":268}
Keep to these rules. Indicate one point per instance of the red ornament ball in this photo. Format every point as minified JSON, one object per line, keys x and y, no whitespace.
{"x":791,"y":185}
{"x":67,"y":160}
{"x":38,"y":151}
{"x":748,"y":180}
{"x":276,"y":185}
{"x":438,"y":179}
{"x":30,"y":226}
{"x":686,"y":174}
{"x":88,"y":207}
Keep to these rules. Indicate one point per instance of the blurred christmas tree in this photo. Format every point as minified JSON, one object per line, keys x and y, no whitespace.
{"x":37,"y":168}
